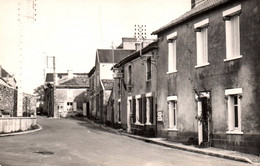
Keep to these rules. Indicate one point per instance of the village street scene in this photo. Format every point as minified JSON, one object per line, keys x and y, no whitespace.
{"x":130,"y":83}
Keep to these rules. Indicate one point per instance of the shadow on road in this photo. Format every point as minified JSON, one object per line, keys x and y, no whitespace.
{"x":87,"y":124}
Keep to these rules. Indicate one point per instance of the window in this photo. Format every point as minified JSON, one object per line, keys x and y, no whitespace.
{"x":129,"y":81}
{"x":201,"y":29}
{"x":119,"y":111}
{"x":138,"y":110}
{"x":172,"y":107}
{"x":171,"y":39}
{"x":149,"y":109}
{"x":233,"y":97}
{"x":231,"y":18}
{"x":69,"y":106}
{"x":119,"y":87}
{"x":148,"y":68}
{"x":129,"y":74}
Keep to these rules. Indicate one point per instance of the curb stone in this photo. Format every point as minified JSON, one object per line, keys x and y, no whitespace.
{"x":22,"y":132}
{"x":230,"y":157}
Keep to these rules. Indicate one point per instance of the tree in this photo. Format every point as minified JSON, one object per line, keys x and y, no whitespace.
{"x":39,"y":92}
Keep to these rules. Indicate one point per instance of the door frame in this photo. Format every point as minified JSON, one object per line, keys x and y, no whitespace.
{"x":129,"y":113}
{"x":199,"y":117}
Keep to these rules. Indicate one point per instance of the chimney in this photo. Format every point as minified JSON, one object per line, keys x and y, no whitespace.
{"x":70,"y":74}
{"x":195,"y":3}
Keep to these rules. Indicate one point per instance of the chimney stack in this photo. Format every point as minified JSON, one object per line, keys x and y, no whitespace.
{"x":70,"y":74}
{"x":195,"y":3}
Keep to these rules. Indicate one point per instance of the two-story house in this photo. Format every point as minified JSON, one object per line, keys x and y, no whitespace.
{"x":69,"y":96}
{"x":208,"y":76}
{"x":134,"y":91}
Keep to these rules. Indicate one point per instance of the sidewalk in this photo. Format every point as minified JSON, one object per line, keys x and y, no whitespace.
{"x":211,"y":151}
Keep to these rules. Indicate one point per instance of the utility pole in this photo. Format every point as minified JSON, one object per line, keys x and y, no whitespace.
{"x":55,"y":113}
{"x":26,"y":14}
{"x":53,"y":98}
{"x":113,"y":54}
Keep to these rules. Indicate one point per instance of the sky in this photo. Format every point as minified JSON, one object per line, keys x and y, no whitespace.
{"x":72,"y":31}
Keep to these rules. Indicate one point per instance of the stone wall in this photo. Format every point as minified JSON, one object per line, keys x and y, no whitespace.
{"x":8,"y":97}
{"x":12,"y":124}
{"x":8,"y":102}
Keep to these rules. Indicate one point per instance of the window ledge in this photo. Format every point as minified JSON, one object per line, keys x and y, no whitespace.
{"x":234,"y":132}
{"x":202,"y":65}
{"x":119,"y":122}
{"x":139,"y":124}
{"x":170,"y":72}
{"x":230,"y":59}
{"x":173,"y":129}
{"x":148,"y":124}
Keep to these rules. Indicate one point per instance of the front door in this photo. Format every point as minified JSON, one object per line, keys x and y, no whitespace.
{"x":204,"y":110}
{"x":204,"y":115}
{"x":129,"y":115}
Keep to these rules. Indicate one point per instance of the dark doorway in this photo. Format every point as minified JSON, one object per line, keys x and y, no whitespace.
{"x":205,"y":120}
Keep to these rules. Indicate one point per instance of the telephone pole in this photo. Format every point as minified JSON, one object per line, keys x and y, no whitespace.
{"x":26,"y":14}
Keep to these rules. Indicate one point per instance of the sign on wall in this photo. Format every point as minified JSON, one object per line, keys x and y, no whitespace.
{"x":160,"y":116}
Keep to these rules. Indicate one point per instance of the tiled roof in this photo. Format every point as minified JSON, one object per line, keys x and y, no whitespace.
{"x":108,"y":84}
{"x":49,"y":76}
{"x":136,"y":54}
{"x":106,"y":55}
{"x":78,"y":80}
{"x":4,"y":73}
{"x":205,"y":6}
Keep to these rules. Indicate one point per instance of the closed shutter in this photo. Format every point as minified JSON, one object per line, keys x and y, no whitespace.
{"x":143,"y":119}
{"x":134,"y":109}
{"x":151,"y":109}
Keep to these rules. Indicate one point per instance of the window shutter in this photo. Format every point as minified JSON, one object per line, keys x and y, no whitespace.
{"x":134,"y":109}
{"x":143,"y":112}
{"x":151,"y":109}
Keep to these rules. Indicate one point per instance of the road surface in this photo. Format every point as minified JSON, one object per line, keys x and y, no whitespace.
{"x":75,"y":142}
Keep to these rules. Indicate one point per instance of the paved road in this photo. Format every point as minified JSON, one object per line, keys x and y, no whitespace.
{"x":74,"y":142}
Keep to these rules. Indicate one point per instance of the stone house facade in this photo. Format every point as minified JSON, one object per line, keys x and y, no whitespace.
{"x":134,"y":92}
{"x":70,"y":94}
{"x":8,"y":97}
{"x":8,"y":93}
{"x":208,"y":76}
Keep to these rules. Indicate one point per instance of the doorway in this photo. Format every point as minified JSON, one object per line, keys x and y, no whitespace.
{"x":203,"y":117}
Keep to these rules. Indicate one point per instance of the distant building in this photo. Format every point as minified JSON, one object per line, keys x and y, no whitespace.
{"x":105,"y":59}
{"x":208,"y":76}
{"x":70,"y":94}
{"x":102,"y":75}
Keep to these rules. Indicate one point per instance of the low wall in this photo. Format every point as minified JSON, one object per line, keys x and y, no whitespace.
{"x":12,"y":124}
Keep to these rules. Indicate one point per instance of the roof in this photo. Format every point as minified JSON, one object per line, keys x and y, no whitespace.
{"x":92,"y":71}
{"x":203,"y":7}
{"x":106,"y":55}
{"x":78,"y":80}
{"x":49,"y":76}
{"x":4,"y":73}
{"x":136,"y":54}
{"x":107,"y":84}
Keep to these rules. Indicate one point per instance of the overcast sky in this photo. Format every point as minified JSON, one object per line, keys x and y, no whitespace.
{"x":72,"y":30}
